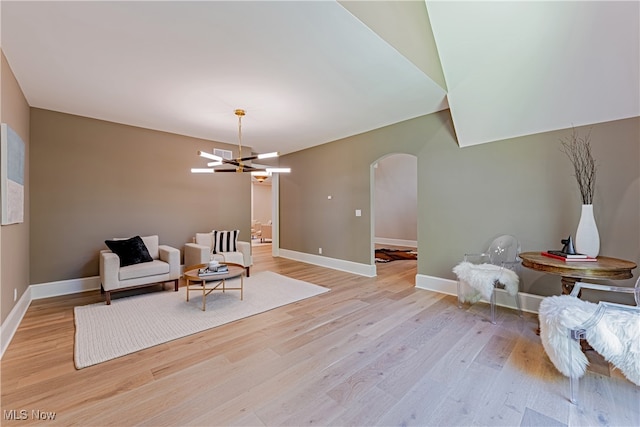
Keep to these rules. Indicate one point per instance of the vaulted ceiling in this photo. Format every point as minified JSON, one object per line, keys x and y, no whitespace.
{"x":312,"y":72}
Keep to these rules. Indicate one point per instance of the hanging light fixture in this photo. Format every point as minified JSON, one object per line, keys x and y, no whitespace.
{"x":240,"y":164}
{"x":260,"y":177}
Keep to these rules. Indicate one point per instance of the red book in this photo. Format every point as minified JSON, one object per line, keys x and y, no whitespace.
{"x":587,"y":259}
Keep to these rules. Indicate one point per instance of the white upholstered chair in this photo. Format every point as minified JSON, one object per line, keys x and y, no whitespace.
{"x":161,"y":264}
{"x":203,"y":249}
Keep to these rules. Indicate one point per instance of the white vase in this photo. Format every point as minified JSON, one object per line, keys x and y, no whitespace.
{"x":587,"y":237}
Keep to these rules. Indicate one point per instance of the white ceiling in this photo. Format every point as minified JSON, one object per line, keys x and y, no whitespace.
{"x":313,"y":72}
{"x":518,"y":68}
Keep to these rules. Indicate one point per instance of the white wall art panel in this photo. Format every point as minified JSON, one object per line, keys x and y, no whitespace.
{"x":12,"y":176}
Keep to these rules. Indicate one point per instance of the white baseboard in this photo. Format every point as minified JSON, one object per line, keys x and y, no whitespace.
{"x":333,"y":263}
{"x":11,"y":323}
{"x":528,"y":302}
{"x":396,"y":242}
{"x":39,"y":291}
{"x":64,"y":287}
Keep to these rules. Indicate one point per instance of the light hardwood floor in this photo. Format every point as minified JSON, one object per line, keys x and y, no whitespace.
{"x":373,"y":351}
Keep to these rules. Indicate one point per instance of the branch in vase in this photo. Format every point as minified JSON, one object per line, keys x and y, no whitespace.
{"x":579,"y":152}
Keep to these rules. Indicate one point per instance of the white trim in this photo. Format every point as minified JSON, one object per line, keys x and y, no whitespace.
{"x":333,"y":263}
{"x":39,"y":291}
{"x":372,"y":210}
{"x":396,"y":242}
{"x":275,"y":215}
{"x":64,"y":287}
{"x":11,"y":323}
{"x":528,"y":302}
{"x":436,"y":284}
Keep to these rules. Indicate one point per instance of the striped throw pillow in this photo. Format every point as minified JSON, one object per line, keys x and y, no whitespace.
{"x":225,"y":241}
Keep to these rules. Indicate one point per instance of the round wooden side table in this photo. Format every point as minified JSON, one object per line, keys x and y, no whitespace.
{"x":574,"y":271}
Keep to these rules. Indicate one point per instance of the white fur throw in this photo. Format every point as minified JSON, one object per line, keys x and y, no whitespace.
{"x":478,"y":280}
{"x":616,"y":336}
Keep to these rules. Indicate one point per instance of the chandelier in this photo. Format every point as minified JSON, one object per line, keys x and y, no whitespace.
{"x":240,"y":164}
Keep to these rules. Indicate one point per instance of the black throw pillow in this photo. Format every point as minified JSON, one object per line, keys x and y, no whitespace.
{"x":131,"y":251}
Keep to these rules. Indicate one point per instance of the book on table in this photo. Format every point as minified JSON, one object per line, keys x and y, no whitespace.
{"x":222,"y":269}
{"x":562,"y":254}
{"x":569,"y":258}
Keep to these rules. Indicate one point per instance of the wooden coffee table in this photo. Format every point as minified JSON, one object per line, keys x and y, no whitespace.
{"x":208,"y":284}
{"x":573,"y":271}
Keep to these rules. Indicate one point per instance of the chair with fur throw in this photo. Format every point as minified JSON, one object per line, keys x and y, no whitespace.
{"x":613,"y":330}
{"x":480,"y":274}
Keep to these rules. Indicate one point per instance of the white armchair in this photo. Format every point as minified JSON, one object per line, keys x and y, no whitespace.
{"x":161,"y":264}
{"x":201,"y":251}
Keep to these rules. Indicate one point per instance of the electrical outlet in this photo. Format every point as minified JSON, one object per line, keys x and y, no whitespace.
{"x":320,"y":251}
{"x":15,"y":294}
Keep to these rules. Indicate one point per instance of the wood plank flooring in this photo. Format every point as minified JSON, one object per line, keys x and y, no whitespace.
{"x":373,"y":351}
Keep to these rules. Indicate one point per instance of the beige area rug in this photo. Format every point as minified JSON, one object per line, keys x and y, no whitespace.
{"x":105,"y":332}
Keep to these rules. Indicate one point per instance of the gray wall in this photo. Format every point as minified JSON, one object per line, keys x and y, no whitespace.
{"x":466,"y":197}
{"x":14,"y":238}
{"x":93,"y":180}
{"x":396,"y":197}
{"x":341,"y":169}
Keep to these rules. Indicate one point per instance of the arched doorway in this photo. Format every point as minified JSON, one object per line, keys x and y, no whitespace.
{"x":394,"y":200}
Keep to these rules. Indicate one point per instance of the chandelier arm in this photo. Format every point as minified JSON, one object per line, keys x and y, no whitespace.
{"x":234,"y":162}
{"x":244,"y":169}
{"x":245,"y":159}
{"x":252,"y":169}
